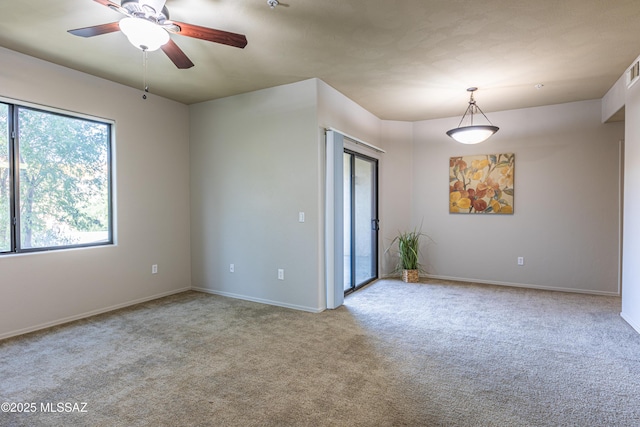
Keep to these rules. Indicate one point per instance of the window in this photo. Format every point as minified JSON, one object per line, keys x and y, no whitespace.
{"x":55,"y":180}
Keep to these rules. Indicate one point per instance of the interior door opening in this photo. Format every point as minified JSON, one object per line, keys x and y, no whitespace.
{"x":360,"y":180}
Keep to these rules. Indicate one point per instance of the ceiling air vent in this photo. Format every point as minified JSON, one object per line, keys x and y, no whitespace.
{"x":633,"y":73}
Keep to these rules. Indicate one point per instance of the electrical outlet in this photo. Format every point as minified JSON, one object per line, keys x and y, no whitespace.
{"x":232,"y":268}
{"x":154,"y":269}
{"x":300,"y":216}
{"x":520,"y":260}
{"x":280,"y":274}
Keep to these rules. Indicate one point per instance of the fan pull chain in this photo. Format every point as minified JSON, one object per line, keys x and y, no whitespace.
{"x":144,"y":78}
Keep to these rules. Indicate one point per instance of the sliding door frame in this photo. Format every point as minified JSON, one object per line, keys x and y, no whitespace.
{"x":374,"y":228}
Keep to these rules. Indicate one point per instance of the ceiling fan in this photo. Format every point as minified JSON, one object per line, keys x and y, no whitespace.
{"x":147,"y":26}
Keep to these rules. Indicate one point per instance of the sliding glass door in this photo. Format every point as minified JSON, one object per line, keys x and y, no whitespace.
{"x":360,"y":220}
{"x":5,"y":180}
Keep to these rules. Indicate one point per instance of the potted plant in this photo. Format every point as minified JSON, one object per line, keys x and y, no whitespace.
{"x":408,"y":254}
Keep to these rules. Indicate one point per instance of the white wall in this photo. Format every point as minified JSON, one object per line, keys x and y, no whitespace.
{"x":257,"y":160}
{"x":396,"y":188}
{"x":394,"y":166}
{"x":631,"y":241}
{"x":254,"y":166}
{"x":337,"y":111}
{"x":614,"y":100}
{"x":566,"y":221}
{"x":151,"y":204}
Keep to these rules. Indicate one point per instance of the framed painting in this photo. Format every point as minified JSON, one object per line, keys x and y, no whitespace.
{"x":481,"y":184}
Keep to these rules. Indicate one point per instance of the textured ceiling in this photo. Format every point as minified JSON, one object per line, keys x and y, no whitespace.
{"x":400,"y":59}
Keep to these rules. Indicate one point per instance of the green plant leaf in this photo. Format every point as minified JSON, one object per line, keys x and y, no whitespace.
{"x":408,"y":249}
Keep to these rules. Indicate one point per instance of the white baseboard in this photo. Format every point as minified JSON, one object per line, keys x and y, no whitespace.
{"x":519,"y":285}
{"x":259,"y":300}
{"x":633,"y":324}
{"x":89,"y":314}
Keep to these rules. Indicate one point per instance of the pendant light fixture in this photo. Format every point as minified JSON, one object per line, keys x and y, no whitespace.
{"x":472,"y":134}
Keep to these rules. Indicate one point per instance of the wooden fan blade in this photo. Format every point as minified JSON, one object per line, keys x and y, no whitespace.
{"x":209,"y":34}
{"x":176,"y":55}
{"x":96,"y":30}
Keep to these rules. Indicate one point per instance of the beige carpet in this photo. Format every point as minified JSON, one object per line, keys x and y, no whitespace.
{"x":429,"y":354}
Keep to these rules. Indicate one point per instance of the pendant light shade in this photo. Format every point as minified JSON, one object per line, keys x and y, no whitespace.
{"x":472,"y":134}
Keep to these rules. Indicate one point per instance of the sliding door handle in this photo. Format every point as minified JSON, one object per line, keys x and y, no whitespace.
{"x":375,"y":224}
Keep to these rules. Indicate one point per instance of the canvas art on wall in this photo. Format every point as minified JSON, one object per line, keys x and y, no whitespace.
{"x":481,"y":184}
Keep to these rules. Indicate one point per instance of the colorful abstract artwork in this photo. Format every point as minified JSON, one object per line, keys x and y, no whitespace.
{"x":481,"y":184}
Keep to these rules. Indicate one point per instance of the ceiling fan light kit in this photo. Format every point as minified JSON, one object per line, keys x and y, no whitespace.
{"x":147,"y":26}
{"x":472,"y":134}
{"x":143,"y":34}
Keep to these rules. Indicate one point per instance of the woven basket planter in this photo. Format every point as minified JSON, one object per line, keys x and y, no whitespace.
{"x":410,"y":276}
